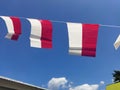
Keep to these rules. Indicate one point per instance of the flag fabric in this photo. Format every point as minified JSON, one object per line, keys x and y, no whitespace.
{"x":82,"y":38}
{"x":41,"y":33}
{"x":13,"y":25}
{"x":117,"y":42}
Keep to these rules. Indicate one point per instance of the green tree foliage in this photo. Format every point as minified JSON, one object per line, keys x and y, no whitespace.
{"x":116,"y":76}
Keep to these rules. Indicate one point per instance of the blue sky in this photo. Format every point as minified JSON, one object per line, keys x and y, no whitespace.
{"x":40,"y":66}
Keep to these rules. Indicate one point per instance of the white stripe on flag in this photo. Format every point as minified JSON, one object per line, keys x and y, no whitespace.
{"x":75,"y":38}
{"x":75,"y":52}
{"x":9,"y":25}
{"x":117,"y":42}
{"x":36,"y":30}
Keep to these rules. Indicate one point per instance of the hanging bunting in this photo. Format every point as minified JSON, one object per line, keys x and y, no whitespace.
{"x":82,"y":38}
{"x":41,"y":33}
{"x":13,"y":25}
{"x":117,"y":42}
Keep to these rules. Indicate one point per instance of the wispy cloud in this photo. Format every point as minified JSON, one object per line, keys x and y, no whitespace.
{"x":85,"y":87}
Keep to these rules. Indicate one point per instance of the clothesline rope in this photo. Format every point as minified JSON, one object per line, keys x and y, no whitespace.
{"x":103,"y":25}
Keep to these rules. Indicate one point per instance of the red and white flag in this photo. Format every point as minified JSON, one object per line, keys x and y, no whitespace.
{"x":13,"y":25}
{"x":41,"y":33}
{"x":82,"y":38}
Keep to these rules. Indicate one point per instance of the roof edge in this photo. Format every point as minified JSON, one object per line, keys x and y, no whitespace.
{"x":20,"y":82}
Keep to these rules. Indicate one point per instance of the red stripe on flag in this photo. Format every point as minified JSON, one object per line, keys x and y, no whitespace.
{"x":15,"y":37}
{"x":46,"y":37}
{"x":89,"y":41}
{"x":17,"y":27}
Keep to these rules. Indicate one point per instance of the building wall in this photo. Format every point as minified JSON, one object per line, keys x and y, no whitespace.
{"x":115,"y":86}
{"x":4,"y":88}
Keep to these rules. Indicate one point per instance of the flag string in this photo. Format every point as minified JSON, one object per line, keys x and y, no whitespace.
{"x":103,"y":25}
{"x":58,"y":21}
{"x":114,"y":26}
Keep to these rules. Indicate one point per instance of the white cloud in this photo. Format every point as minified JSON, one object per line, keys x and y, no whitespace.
{"x":86,"y":87}
{"x":102,"y":82}
{"x":63,"y":84}
{"x":56,"y":83}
